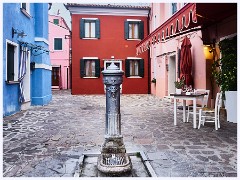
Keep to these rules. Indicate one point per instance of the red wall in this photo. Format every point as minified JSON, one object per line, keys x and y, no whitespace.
{"x":111,"y":43}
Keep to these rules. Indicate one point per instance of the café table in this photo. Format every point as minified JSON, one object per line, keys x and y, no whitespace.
{"x":184,"y":97}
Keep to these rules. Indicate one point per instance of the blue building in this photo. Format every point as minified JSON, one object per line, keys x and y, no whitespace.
{"x":26,"y":62}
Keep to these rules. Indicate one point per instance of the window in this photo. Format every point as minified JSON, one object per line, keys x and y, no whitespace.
{"x":56,"y":21}
{"x":174,"y":8}
{"x":25,"y":8}
{"x":134,"y":29}
{"x":134,"y":67}
{"x":12,"y":62}
{"x":90,"y":28}
{"x":57,"y":43}
{"x":89,"y":67}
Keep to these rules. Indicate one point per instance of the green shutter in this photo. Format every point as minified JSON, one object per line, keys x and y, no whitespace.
{"x":126,"y":29}
{"x":141,"y":30}
{"x":57,"y":43}
{"x":82,"y":29}
{"x":141,"y":67}
{"x":82,"y":63}
{"x":98,"y":28}
{"x":10,"y":62}
{"x":127,"y":67}
{"x":97,"y":68}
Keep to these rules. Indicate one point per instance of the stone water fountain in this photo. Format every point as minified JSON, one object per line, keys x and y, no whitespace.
{"x":113,"y":158}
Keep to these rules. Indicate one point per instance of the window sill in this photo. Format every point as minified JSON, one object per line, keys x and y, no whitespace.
{"x":90,"y":38}
{"x":133,"y":39}
{"x":12,"y":82}
{"x":90,"y":77}
{"x":26,"y":13}
{"x":134,"y":77}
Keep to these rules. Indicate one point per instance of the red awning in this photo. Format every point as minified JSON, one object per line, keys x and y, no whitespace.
{"x":190,"y":16}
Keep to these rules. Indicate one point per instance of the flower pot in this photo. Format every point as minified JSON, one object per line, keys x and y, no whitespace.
{"x":178,"y":91}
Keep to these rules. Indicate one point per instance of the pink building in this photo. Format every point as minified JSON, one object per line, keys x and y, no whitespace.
{"x":59,"y":46}
{"x":205,"y":24}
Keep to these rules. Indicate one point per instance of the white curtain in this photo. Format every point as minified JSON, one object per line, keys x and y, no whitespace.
{"x":22,"y":72}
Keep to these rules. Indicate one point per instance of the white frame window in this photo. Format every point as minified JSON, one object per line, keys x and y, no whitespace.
{"x":134,"y":29}
{"x":134,"y":67}
{"x":25,"y":8}
{"x":90,"y":67}
{"x":89,"y":28}
{"x":15,"y":61}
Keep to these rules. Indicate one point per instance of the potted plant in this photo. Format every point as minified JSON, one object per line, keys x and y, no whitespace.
{"x":154,"y":80}
{"x":225,"y":74}
{"x":179,"y":85}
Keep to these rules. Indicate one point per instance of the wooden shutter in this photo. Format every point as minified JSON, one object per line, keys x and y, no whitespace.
{"x":97,"y":68}
{"x":97,"y":29}
{"x":82,"y":64}
{"x":127,"y":67}
{"x":82,"y":29}
{"x":126,"y":29}
{"x":141,"y":30}
{"x":141,"y":68}
{"x":10,"y":62}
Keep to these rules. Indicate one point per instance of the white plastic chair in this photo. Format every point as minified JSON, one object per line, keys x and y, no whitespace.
{"x":203,"y":103}
{"x":211,"y":115}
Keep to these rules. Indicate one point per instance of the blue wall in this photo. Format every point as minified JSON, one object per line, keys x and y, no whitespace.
{"x":34,"y":26}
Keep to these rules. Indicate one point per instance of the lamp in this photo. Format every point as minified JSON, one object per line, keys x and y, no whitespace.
{"x":19,"y":34}
{"x":208,"y":51}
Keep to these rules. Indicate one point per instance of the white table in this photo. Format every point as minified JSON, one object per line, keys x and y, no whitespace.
{"x":185,"y":97}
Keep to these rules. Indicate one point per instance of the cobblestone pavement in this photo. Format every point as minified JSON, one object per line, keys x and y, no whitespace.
{"x":46,"y":141}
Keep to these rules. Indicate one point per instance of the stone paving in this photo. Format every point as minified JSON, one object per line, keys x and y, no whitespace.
{"x":46,"y":141}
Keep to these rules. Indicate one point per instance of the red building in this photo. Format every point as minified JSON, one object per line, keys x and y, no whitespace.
{"x":101,"y":32}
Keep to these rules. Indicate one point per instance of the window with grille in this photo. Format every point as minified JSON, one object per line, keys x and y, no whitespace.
{"x":58,"y":44}
{"x":134,"y":29}
{"x":90,"y":28}
{"x":90,"y":68}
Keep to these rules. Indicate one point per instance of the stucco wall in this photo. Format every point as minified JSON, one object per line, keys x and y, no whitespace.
{"x":111,"y":43}
{"x":60,"y":57}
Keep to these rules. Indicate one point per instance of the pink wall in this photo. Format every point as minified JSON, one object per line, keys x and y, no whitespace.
{"x":164,"y":53}
{"x":60,"y":57}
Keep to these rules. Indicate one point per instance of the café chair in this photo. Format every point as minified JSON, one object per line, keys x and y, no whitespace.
{"x":203,"y":103}
{"x":211,"y":114}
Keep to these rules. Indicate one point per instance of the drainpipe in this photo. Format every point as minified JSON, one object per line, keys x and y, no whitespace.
{"x":149,"y":60}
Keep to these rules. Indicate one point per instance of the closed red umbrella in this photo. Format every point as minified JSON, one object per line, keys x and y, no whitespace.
{"x":186,"y":61}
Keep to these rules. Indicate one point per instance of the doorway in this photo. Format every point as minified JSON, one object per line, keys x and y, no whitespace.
{"x":55,"y":77}
{"x":171,"y":74}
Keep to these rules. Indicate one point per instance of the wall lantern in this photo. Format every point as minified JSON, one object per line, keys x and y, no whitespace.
{"x":208,"y":51}
{"x":19,"y":34}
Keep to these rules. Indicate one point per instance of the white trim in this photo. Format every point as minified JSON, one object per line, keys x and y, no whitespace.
{"x":133,"y":39}
{"x":137,"y":20}
{"x":108,"y":11}
{"x":91,"y":38}
{"x":90,"y":58}
{"x":16,"y":59}
{"x":40,"y":39}
{"x":133,"y":58}
{"x":90,"y":18}
{"x":89,"y":77}
{"x":228,"y":37}
{"x":43,"y":66}
{"x":27,"y":10}
{"x":134,"y":77}
{"x":114,"y":61}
